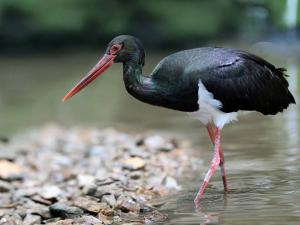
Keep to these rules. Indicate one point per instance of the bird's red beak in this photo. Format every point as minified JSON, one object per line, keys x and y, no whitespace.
{"x":105,"y":62}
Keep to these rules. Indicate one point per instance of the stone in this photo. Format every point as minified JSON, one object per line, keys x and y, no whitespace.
{"x":85,"y":180}
{"x":90,"y":189}
{"x":65,"y":211}
{"x":11,"y":219}
{"x":5,"y":186}
{"x":89,"y":220}
{"x":105,"y":219}
{"x":88,"y":176}
{"x":10,"y":171}
{"x":107,"y":211}
{"x":89,"y":205}
{"x":109,"y":199}
{"x":127,"y":204}
{"x":157,"y":143}
{"x":62,"y":222}
{"x":40,"y":209}
{"x":31,"y":219}
{"x":134,"y":163}
{"x":39,"y":199}
{"x":171,"y":183}
{"x":50,"y":192}
{"x":155,"y":217}
{"x":101,"y":191}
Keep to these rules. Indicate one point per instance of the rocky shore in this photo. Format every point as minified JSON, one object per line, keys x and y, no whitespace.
{"x":59,"y":176}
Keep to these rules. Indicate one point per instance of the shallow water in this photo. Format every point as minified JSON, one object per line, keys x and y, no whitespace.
{"x":262,"y":153}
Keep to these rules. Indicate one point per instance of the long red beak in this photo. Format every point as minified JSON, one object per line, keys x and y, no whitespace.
{"x":105,"y":62}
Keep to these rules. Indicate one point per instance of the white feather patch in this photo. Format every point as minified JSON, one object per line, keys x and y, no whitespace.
{"x":209,"y":109}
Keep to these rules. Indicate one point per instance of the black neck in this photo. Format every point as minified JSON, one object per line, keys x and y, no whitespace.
{"x":140,"y":86}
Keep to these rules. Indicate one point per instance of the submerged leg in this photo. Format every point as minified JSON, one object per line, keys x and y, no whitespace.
{"x":214,"y":164}
{"x":223,"y":173}
{"x":211,"y":132}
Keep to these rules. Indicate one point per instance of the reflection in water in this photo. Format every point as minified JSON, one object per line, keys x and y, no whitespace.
{"x":262,"y":153}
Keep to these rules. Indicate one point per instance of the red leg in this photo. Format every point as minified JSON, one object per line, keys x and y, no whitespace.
{"x":214,"y":164}
{"x":223,"y":173}
{"x":211,"y":132}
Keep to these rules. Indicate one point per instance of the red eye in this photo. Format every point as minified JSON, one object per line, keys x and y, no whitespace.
{"x":115,"y":48}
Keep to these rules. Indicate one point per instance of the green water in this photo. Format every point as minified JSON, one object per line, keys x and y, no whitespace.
{"x":262,"y":153}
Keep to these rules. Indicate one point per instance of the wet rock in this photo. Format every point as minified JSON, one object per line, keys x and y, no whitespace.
{"x":50,"y":192}
{"x":127,"y":204}
{"x":89,"y":205}
{"x":5,"y":186}
{"x":31,"y":219}
{"x":134,"y":163}
{"x":109,"y":199}
{"x":65,"y":211}
{"x":10,"y":171}
{"x":155,"y":217}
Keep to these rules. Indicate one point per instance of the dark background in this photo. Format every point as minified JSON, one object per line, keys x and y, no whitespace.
{"x":35,"y":25}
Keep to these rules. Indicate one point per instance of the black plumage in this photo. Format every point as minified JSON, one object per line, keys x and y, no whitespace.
{"x":239,"y":80}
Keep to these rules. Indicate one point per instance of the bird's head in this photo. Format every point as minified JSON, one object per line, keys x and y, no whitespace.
{"x":123,"y":48}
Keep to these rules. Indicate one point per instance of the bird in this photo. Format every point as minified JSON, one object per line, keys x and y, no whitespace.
{"x":212,"y":84}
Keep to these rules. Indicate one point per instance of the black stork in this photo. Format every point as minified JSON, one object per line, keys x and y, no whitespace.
{"x":211,"y":84}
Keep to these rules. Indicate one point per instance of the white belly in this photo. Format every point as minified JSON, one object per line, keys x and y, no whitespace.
{"x":209,"y":109}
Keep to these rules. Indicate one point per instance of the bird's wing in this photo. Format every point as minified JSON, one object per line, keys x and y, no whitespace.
{"x":242,"y":81}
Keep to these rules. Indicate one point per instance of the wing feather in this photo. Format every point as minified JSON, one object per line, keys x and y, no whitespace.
{"x":249,"y":83}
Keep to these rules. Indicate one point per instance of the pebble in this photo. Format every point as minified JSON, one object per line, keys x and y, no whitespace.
{"x":109,"y":199}
{"x":88,"y":176}
{"x":63,"y":222}
{"x":50,"y":192}
{"x":158,"y":143}
{"x":134,"y":163}
{"x":5,"y":186}
{"x":31,"y":220}
{"x":107,"y":211}
{"x":127,"y":204}
{"x":85,"y":180}
{"x":171,"y":183}
{"x":89,"y":205}
{"x":65,"y":211}
{"x":10,"y":170}
{"x":89,"y":220}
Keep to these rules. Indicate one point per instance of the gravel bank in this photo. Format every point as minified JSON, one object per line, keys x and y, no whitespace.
{"x":60,"y":176}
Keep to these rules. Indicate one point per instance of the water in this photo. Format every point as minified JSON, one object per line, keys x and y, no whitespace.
{"x":262,"y":153}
